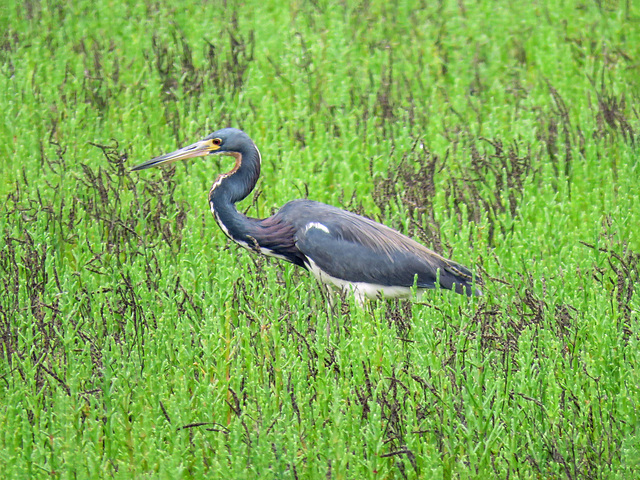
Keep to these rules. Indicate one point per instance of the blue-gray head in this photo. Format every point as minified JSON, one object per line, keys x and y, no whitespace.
{"x":227,"y":141}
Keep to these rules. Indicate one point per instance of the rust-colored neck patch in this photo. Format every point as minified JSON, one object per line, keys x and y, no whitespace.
{"x":222,"y":176}
{"x":238,"y":157}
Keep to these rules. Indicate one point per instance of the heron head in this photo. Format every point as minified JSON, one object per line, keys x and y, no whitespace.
{"x":229,"y":141}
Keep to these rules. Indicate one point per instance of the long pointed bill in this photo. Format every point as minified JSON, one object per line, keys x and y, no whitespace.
{"x":199,"y":149}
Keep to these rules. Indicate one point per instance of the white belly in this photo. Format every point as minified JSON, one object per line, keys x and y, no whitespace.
{"x":361,"y":290}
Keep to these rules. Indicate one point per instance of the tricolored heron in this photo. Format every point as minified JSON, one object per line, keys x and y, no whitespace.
{"x":336,"y":246}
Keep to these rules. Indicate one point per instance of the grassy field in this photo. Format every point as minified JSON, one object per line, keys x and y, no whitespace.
{"x":138,"y":342}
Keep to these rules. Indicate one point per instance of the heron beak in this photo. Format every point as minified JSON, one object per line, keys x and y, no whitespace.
{"x":199,"y":149}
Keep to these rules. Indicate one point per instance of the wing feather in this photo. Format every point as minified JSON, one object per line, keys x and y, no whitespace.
{"x":356,"y":249}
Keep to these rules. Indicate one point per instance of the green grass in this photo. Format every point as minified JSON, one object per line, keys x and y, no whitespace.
{"x":136,"y":341}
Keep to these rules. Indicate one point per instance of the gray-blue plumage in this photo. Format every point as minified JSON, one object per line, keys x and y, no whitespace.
{"x":356,"y":249}
{"x":337,"y":246}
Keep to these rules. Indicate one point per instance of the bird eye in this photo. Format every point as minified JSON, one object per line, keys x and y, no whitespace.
{"x":216,"y":141}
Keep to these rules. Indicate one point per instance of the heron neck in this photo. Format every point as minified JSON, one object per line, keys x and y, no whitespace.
{"x":233,"y":187}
